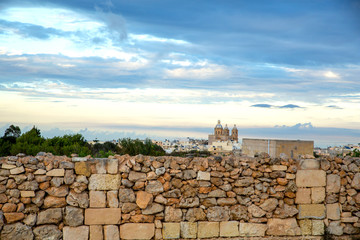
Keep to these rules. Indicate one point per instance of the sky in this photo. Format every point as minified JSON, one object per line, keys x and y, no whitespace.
{"x":168,"y":69}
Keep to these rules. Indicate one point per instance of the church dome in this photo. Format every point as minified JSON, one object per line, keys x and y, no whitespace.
{"x":226,"y":127}
{"x":218,"y":125}
{"x":234,"y":127}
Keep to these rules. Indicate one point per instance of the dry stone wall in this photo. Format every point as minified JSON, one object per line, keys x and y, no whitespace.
{"x":142,"y":197}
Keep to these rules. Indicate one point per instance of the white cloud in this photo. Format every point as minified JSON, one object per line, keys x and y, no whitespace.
{"x":209,"y":72}
{"x":330,"y":74}
{"x":151,"y":38}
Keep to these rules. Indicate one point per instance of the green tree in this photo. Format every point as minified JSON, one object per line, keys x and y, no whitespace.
{"x":135,"y":147}
{"x":9,"y":139}
{"x":28,"y":143}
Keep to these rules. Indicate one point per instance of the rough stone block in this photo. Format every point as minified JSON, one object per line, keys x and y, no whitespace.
{"x":17,"y":170}
{"x":310,"y":178}
{"x":97,"y":199}
{"x":79,"y":159}
{"x":333,"y":183}
{"x":188,"y":229}
{"x":100,"y":166}
{"x":171,"y":230}
{"x":8,"y":166}
{"x":303,"y":196}
{"x":60,"y":172}
{"x":333,"y":211}
{"x":204,"y":176}
{"x":318,"y":227}
{"x":104,"y":182}
{"x":13,"y":217}
{"x":40,"y":172}
{"x":137,"y":231}
{"x":83,"y":168}
{"x":76,"y":233}
{"x":317,"y":194}
{"x":26,"y":194}
{"x":111,"y":232}
{"x":96,"y":232}
{"x":307,"y":164}
{"x":229,"y":229}
{"x":278,"y":167}
{"x":112,"y":200}
{"x":208,"y":229}
{"x":252,"y":229}
{"x":313,"y":211}
{"x":305,"y":226}
{"x":102,"y":216}
{"x":283,"y":227}
{"x":112,"y":166}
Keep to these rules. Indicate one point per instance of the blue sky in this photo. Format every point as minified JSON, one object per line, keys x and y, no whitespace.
{"x":169,"y":69}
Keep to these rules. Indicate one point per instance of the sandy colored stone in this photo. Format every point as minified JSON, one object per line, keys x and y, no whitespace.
{"x":9,"y":207}
{"x":317,"y":194}
{"x":8,"y":166}
{"x":104,"y":182}
{"x":137,"y":230}
{"x":303,"y":196}
{"x":51,"y":201}
{"x":332,"y":183}
{"x":143,"y":199}
{"x":208,"y":229}
{"x":60,"y":172}
{"x":17,"y":170}
{"x":229,"y":229}
{"x":310,"y":178}
{"x":313,"y":211}
{"x":96,"y":232}
{"x":13,"y":217}
{"x":307,"y":164}
{"x":27,"y":194}
{"x":318,"y":227}
{"x":283,"y":227}
{"x":112,"y":166}
{"x":97,"y":199}
{"x":252,"y":229}
{"x":111,"y":232}
{"x":171,"y":230}
{"x":204,"y":176}
{"x":40,"y":172}
{"x":305,"y":226}
{"x":82,"y":168}
{"x":76,"y":233}
{"x":61,"y":191}
{"x":278,"y":167}
{"x":102,"y":216}
{"x":188,"y":229}
{"x":112,"y":200}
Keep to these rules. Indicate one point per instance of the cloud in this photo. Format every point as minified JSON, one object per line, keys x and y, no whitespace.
{"x":334,"y":107}
{"x":261,"y":105}
{"x":290,"y":106}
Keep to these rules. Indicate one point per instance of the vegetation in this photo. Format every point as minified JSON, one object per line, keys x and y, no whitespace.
{"x":356,"y":153}
{"x":192,"y":153}
{"x":31,"y":143}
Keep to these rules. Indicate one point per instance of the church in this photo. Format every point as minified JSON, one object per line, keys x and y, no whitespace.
{"x":223,"y":134}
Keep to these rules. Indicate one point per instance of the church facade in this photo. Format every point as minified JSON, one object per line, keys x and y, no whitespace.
{"x":223,"y":134}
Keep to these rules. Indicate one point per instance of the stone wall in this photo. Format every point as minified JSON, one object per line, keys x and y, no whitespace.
{"x":142,"y":197}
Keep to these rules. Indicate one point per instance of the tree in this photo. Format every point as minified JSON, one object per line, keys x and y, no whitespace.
{"x":12,"y":131}
{"x":28,"y":143}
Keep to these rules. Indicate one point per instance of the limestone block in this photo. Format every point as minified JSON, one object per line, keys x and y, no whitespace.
{"x":158,"y":234}
{"x":79,"y":159}
{"x":335,"y":228}
{"x":143,"y":199}
{"x":60,"y":172}
{"x":252,"y":229}
{"x":26,"y":194}
{"x":303,"y":196}
{"x":96,"y":232}
{"x":76,"y":233}
{"x":283,"y":227}
{"x":310,"y":178}
{"x":97,"y":199}
{"x":112,"y":200}
{"x":349,"y":219}
{"x":313,"y":211}
{"x":171,"y":230}
{"x":102,"y":216}
{"x":333,"y":183}
{"x":318,"y":227}
{"x":204,"y":176}
{"x":306,"y":226}
{"x":188,"y":229}
{"x":13,"y":217}
{"x":112,"y":166}
{"x":111,"y":232}
{"x":208,"y":229}
{"x":100,"y":166}
{"x":8,"y":166}
{"x":333,"y":211}
{"x":104,"y":182}
{"x":229,"y":229}
{"x":307,"y":164}
{"x":82,"y":168}
{"x":17,"y":170}
{"x":137,"y":231}
{"x":356,"y":181}
{"x":317,"y":194}
{"x":40,"y":172}
{"x":278,"y":167}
